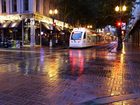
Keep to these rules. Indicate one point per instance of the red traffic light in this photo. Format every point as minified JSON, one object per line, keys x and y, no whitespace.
{"x":119,"y":24}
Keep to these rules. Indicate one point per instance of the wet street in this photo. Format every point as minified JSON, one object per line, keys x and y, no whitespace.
{"x":92,"y":76}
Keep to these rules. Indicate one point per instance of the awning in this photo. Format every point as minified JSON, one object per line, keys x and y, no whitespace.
{"x":50,"y":27}
{"x":47,"y":26}
{"x":15,"y":24}
{"x":4,"y":24}
{"x":58,"y":28}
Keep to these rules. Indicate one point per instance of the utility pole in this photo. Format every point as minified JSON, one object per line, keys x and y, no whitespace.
{"x":120,"y":9}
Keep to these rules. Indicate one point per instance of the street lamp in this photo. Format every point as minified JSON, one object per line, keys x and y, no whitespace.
{"x":89,"y":26}
{"x":22,"y":30}
{"x":120,"y":9}
{"x":117,"y":8}
{"x":41,"y":33}
{"x":52,"y":13}
{"x":55,"y":11}
{"x":124,"y":8}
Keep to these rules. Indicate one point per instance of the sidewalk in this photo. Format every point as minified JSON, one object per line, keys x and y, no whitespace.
{"x":33,"y":49}
{"x":125,"y":88}
{"x":131,"y":57}
{"x":38,"y":47}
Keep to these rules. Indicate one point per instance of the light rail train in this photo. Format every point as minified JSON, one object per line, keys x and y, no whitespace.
{"x":82,"y":37}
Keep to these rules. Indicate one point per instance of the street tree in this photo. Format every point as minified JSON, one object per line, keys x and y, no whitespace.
{"x":96,"y":12}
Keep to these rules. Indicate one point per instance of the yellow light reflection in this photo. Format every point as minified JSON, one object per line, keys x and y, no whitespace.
{"x":117,"y":74}
{"x":123,"y":49}
{"x":52,"y":67}
{"x":53,"y":70}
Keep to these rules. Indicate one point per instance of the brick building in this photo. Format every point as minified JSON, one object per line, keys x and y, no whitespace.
{"x":134,"y":24}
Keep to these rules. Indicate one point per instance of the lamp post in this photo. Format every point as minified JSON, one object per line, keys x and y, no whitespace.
{"x":41,"y":33}
{"x":120,"y":9}
{"x":52,"y":13}
{"x":22,"y":21}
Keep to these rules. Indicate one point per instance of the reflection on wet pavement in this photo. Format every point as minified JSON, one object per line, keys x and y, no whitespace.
{"x":67,"y":76}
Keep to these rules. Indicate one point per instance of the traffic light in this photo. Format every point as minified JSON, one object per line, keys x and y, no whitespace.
{"x":119,"y":24}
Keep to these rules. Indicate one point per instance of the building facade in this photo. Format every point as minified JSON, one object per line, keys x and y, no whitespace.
{"x":134,"y":24}
{"x":28,"y":21}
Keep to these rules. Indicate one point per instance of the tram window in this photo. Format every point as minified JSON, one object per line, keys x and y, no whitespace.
{"x":84,"y":35}
{"x":88,"y":38}
{"x":76,"y":35}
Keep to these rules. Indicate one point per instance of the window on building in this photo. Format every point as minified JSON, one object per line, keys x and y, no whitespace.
{"x":37,"y":5}
{"x":3,"y":6}
{"x":14,"y":5}
{"x":44,"y":7}
{"x":26,"y":5}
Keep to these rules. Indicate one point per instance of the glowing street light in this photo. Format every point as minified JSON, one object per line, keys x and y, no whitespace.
{"x":120,"y":9}
{"x":55,"y":11}
{"x":124,"y":8}
{"x":117,"y":8}
{"x":89,"y":26}
{"x":52,"y":13}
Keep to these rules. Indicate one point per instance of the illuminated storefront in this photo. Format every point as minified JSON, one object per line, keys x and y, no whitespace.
{"x":28,"y":21}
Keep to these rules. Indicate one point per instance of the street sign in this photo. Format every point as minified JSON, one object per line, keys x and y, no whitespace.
{"x":123,"y":26}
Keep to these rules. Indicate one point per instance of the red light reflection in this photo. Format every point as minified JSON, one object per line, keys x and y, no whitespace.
{"x":76,"y":61}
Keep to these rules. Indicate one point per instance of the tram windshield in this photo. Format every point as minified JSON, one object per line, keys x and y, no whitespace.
{"x":76,"y":36}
